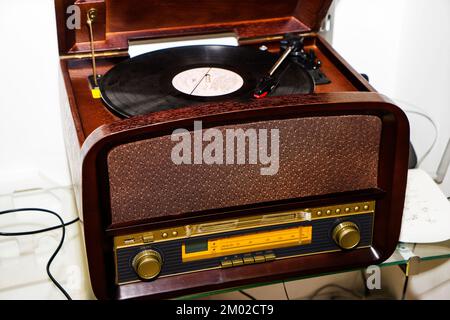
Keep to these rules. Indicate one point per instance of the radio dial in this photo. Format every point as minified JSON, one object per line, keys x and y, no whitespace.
{"x":346,"y":235}
{"x":147,"y":264}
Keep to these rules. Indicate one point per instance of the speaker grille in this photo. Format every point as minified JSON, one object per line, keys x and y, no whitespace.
{"x":317,"y":156}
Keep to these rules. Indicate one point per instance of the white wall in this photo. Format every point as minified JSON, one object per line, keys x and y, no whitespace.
{"x":404,"y":47}
{"x":31,"y":144}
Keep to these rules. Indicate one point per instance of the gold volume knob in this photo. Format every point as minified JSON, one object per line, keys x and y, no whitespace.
{"x":346,"y":235}
{"x":147,"y":264}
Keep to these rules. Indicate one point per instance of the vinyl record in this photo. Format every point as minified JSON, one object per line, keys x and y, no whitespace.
{"x":177,"y":77}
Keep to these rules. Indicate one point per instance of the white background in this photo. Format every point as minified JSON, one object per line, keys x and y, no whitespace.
{"x":31,"y":140}
{"x":404,"y":47}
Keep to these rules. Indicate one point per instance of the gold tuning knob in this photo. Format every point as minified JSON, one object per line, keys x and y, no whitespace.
{"x":147,"y":264}
{"x":346,"y":235}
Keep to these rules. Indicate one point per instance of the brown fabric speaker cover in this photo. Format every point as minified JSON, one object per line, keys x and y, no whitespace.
{"x":317,"y":156}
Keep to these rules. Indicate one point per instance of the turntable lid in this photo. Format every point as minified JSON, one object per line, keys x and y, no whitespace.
{"x":120,"y":20}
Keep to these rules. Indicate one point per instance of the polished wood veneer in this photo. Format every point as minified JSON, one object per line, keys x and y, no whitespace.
{"x":91,"y":131}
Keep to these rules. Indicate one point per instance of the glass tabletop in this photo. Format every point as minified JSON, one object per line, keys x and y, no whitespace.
{"x":401,"y":256}
{"x":64,"y":195}
{"x":424,"y":251}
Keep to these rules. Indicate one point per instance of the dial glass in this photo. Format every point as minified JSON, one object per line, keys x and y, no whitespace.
{"x":207,"y":82}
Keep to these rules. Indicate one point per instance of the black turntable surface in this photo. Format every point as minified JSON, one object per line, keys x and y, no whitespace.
{"x":177,"y":77}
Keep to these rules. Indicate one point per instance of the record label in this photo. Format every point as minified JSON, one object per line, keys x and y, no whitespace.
{"x":207,"y":82}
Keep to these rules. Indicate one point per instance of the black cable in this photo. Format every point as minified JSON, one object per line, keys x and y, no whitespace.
{"x":405,"y":288}
{"x":247,"y":295}
{"x":62,"y":225}
{"x":364,"y":279}
{"x":354,"y":294}
{"x":285,"y":291}
{"x":26,"y":233}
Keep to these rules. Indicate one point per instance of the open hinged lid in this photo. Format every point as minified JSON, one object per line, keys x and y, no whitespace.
{"x":118,"y":21}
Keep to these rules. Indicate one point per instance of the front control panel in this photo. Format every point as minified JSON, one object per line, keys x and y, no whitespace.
{"x":243,"y":241}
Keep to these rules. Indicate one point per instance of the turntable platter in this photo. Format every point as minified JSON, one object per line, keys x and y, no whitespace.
{"x":177,"y":77}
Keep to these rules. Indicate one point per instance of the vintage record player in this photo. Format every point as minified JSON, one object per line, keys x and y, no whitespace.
{"x":155,"y":228}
